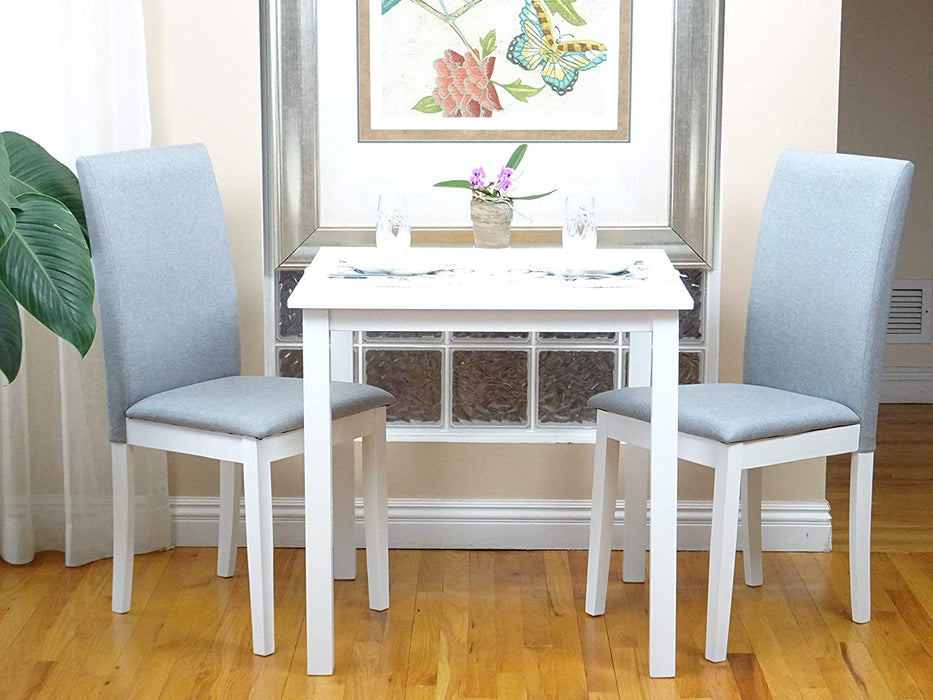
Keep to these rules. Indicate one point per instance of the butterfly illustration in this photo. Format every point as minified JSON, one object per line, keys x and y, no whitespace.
{"x":560,"y":61}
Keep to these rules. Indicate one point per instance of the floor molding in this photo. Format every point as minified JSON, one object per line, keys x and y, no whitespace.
{"x":907,"y":385}
{"x":510,"y":524}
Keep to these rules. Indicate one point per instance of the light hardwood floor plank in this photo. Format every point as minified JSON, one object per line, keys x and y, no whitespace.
{"x":482,"y":667}
{"x":495,"y":624}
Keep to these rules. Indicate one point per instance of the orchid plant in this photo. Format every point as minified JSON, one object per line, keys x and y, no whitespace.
{"x":495,"y":190}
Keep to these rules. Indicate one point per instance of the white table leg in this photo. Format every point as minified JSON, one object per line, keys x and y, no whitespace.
{"x":662,"y":610}
{"x":319,"y":570}
{"x":639,"y":358}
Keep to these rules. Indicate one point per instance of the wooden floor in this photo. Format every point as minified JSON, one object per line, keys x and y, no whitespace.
{"x":485,"y":624}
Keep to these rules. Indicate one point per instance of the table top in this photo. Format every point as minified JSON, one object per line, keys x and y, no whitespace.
{"x":491,"y":279}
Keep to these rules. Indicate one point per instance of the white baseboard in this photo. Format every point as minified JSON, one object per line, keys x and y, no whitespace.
{"x":907,"y":385}
{"x":510,"y":524}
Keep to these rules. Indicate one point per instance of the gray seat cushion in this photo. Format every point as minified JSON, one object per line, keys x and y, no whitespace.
{"x":251,"y":406}
{"x":734,"y":412}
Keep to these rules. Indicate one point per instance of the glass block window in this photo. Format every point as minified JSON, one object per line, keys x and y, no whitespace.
{"x":289,"y":320}
{"x":691,"y":322}
{"x":593,"y":337}
{"x":566,"y":381}
{"x":403,"y":335}
{"x":460,"y":382}
{"x":490,"y":336}
{"x":489,"y":386}
{"x":413,"y":377}
{"x":691,"y":367}
{"x":290,"y":364}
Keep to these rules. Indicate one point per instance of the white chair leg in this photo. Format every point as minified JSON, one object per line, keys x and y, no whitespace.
{"x":751,"y":526}
{"x":257,"y":488}
{"x":635,"y":534}
{"x":375,"y":513}
{"x":602,"y":517}
{"x":124,"y":492}
{"x":860,"y":482}
{"x":635,"y":470}
{"x":231,"y":488}
{"x":344,"y":512}
{"x":722,"y":556}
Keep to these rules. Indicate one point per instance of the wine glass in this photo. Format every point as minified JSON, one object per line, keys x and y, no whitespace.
{"x":393,"y":231}
{"x":579,"y":232}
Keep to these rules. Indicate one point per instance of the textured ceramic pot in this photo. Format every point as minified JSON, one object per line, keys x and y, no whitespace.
{"x":492,"y":223}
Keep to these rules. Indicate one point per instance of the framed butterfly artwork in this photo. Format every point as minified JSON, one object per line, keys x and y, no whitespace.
{"x":621,"y":98}
{"x":491,"y":70}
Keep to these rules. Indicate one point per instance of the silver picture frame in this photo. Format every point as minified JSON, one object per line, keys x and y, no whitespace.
{"x":291,"y":211}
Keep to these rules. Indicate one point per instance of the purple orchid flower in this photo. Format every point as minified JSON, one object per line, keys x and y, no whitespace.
{"x":505,"y":179}
{"x":478,"y":178}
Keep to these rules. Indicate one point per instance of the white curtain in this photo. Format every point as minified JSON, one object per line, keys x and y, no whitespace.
{"x":82,"y":90}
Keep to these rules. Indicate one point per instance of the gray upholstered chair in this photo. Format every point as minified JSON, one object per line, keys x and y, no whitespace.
{"x":168,"y":315}
{"x":814,"y":344}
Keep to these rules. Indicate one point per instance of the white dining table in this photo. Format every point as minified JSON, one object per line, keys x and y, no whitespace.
{"x":513,"y":289}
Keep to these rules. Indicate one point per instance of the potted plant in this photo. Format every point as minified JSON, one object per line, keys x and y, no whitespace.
{"x":45,"y":257}
{"x":491,"y":203}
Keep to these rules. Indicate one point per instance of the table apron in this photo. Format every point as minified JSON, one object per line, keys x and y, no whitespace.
{"x":493,"y":320}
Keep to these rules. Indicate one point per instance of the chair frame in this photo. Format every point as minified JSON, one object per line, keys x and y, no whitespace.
{"x":256,"y":457}
{"x":737,"y":479}
{"x":814,"y":198}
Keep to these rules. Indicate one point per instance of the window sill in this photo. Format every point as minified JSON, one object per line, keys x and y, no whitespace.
{"x":577,"y":434}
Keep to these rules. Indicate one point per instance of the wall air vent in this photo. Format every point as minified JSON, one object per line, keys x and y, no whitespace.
{"x":909,"y":316}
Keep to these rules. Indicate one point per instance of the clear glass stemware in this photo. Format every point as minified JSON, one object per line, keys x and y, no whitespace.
{"x":579,"y":232}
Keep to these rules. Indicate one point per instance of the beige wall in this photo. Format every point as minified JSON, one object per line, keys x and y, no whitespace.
{"x":885,"y":109}
{"x":780,"y":89}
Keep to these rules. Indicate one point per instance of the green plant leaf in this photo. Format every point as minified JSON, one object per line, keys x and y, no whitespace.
{"x":428,"y":105}
{"x":7,"y":222}
{"x":46,"y":265}
{"x":465,"y":184}
{"x":564,"y":8}
{"x":488,"y":43}
{"x":536,"y":196}
{"x":389,"y":4}
{"x":32,"y":169}
{"x":6,"y":197}
{"x":519,"y":90}
{"x":11,"y":335}
{"x":517,"y":156}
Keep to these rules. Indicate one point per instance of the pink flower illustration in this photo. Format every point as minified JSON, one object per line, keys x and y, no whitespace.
{"x":464,"y":86}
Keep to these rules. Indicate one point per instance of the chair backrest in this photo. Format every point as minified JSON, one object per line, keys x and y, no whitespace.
{"x":822,"y":280}
{"x":166,"y":293}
